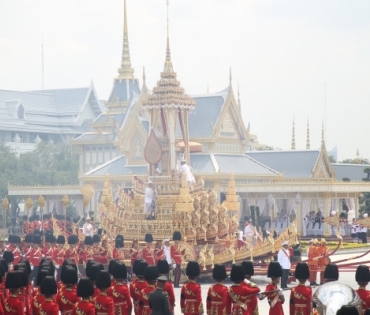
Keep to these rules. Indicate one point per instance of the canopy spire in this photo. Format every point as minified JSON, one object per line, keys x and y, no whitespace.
{"x":293,"y":135}
{"x":308,"y":145}
{"x":125,"y":72}
{"x":239,"y":103}
{"x":322,"y":134}
{"x":168,"y":63}
{"x":144,"y":88}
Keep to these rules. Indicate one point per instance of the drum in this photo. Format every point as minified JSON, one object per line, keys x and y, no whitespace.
{"x":331,"y":296}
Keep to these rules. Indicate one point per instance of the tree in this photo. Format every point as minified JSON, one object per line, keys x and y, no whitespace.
{"x":364,"y":198}
{"x":332,"y":159}
{"x":367,"y":172}
{"x":359,"y":161}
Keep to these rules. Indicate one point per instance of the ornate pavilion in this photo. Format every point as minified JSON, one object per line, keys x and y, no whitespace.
{"x":212,"y":130}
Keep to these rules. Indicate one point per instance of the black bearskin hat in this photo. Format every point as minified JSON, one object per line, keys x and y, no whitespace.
{"x":136,"y":264}
{"x":14,"y":239}
{"x":140,"y":269}
{"x":89,"y":240}
{"x":8,"y":256}
{"x":37,"y":239}
{"x":96,"y":238}
{"x":192,"y":269}
{"x":36,"y":217}
{"x":13,"y":280}
{"x":50,"y":238}
{"x":49,"y":286}
{"x":69,"y":275}
{"x":176,"y":236}
{"x":28,"y":238}
{"x":348,"y":310}
{"x":41,"y":275}
{"x":219,"y":273}
{"x":163,"y":267}
{"x":100,"y":231}
{"x":148,"y":238}
{"x":23,"y":273}
{"x":302,"y":272}
{"x":4,"y":264}
{"x":61,"y":240}
{"x":274,"y":270}
{"x":28,"y":265}
{"x":85,"y":288}
{"x":248,"y":268}
{"x":367,"y":312}
{"x":73,"y":239}
{"x":103,"y":280}
{"x":331,"y":272}
{"x":2,"y":273}
{"x":112,"y":265}
{"x":120,"y":242}
{"x":119,"y":271}
{"x":362,"y":274}
{"x":92,"y":272}
{"x":151,"y":273}
{"x":237,"y":274}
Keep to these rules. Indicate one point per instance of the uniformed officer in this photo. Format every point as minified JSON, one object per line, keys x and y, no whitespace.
{"x":103,"y":302}
{"x":67,"y":296}
{"x":85,"y":290}
{"x":148,"y":250}
{"x":275,"y":298}
{"x":158,"y":299}
{"x":176,"y":255}
{"x":137,"y":286}
{"x":252,"y":302}
{"x":301,"y":295}
{"x":362,"y":279}
{"x":13,"y":304}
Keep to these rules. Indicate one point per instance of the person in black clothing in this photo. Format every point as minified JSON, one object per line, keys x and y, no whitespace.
{"x":158,"y":299}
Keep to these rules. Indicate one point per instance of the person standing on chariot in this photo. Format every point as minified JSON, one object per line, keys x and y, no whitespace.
{"x":252,"y":302}
{"x":87,"y":228}
{"x":301,"y":295}
{"x":148,"y":250}
{"x":362,"y":279}
{"x":164,"y":269}
{"x":217,"y":293}
{"x":176,"y":255}
{"x":191,"y":292}
{"x":276,"y":297}
{"x":150,"y":195}
{"x":185,"y":169}
{"x":248,"y":230}
{"x":118,"y":252}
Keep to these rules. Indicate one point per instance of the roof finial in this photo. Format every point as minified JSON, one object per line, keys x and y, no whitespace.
{"x":293,"y":135}
{"x":322,"y":134}
{"x":230,"y":77}
{"x":125,"y":72}
{"x":308,"y":135}
{"x":239,"y":103}
{"x":168,"y":52}
{"x":144,"y":80}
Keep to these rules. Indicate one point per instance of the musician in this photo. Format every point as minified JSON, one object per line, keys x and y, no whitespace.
{"x":67,"y":296}
{"x":14,"y":243}
{"x":96,"y":248}
{"x":88,"y":253}
{"x":150,"y":274}
{"x":252,"y":302}
{"x":134,"y":253}
{"x":218,"y":293}
{"x":59,"y":254}
{"x":148,"y":250}
{"x":276,"y":298}
{"x":284,"y":259}
{"x":164,"y":269}
{"x":138,"y":285}
{"x":48,"y":251}
{"x":191,"y":292}
{"x":118,"y":252}
{"x":158,"y":251}
{"x":176,"y":255}
{"x":103,"y":302}
{"x":35,"y":255}
{"x":87,"y":228}
{"x":72,"y":251}
{"x":301,"y":295}
{"x":313,"y":262}
{"x":323,"y":249}
{"x":239,"y":292}
{"x":362,"y":279}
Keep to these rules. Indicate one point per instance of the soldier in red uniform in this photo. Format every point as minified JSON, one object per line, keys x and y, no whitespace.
{"x":71,"y":252}
{"x":85,"y":290}
{"x":118,"y":252}
{"x":88,"y":253}
{"x":164,"y":269}
{"x":134,"y":278}
{"x":138,"y":285}
{"x":36,"y":223}
{"x":96,"y":248}
{"x":27,"y":247}
{"x":150,"y":274}
{"x":176,"y":256}
{"x":119,"y":291}
{"x":104,"y":254}
{"x":275,"y":298}
{"x":103,"y":302}
{"x":158,"y":251}
{"x":9,"y":258}
{"x":59,"y":255}
{"x":13,"y":304}
{"x":36,"y":255}
{"x":48,"y":251}
{"x":47,"y":223}
{"x":301,"y":295}
{"x":67,"y":296}
{"x":15,"y":242}
{"x":134,"y":253}
{"x":30,"y":227}
{"x":148,"y":250}
{"x":49,"y":289}
{"x":252,"y":302}
{"x":23,"y":271}
{"x":362,"y":279}
{"x":25,"y":225}
{"x":191,"y":292}
{"x":217,"y":293}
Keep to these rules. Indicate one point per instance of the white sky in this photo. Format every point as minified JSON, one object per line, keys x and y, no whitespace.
{"x":282,"y":53}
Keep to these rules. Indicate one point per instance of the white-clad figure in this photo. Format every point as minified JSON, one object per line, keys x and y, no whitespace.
{"x":334,"y":229}
{"x":149,"y":196}
{"x":88,"y":229}
{"x":248,"y":231}
{"x":363,"y":230}
{"x":185,"y":169}
{"x":350,"y":215}
{"x":167,"y":251}
{"x":284,"y":261}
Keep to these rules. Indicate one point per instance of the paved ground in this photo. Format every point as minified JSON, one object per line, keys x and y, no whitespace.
{"x":345,"y":277}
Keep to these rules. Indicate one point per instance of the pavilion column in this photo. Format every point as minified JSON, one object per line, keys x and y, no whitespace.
{"x":326,"y":213}
{"x":357,"y":207}
{"x":299,"y":218}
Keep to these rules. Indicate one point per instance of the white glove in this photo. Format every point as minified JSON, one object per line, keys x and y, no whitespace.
{"x":260,"y":296}
{"x":174,"y":266}
{"x":42,"y":255}
{"x":281,"y":292}
{"x":57,"y":266}
{"x":31,"y":267}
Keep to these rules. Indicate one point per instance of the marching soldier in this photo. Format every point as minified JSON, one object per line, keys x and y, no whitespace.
{"x":134,"y":253}
{"x":59,"y":254}
{"x":362,"y":279}
{"x":138,"y":285}
{"x":103,"y":302}
{"x":92,"y":271}
{"x":49,"y":289}
{"x":36,"y":255}
{"x":158,"y":251}
{"x":14,"y":243}
{"x":71,"y":252}
{"x":217,"y":293}
{"x":48,"y":251}
{"x":239,"y":292}
{"x":67,"y":296}
{"x":30,"y":227}
{"x":301,"y":295}
{"x":119,"y":291}
{"x":252,"y":302}
{"x":158,"y":299}
{"x":151,"y":274}
{"x":13,"y":304}
{"x":313,"y":255}
{"x":148,"y":250}
{"x":276,"y":298}
{"x":191,"y":292}
{"x":96,"y":248}
{"x":27,"y":247}
{"x":176,"y":255}
{"x":323,"y":261}
{"x":104,"y":254}
{"x":118,"y":252}
{"x":164,"y":269}
{"x":36,"y":223}
{"x":85,"y":290}
{"x":88,"y":253}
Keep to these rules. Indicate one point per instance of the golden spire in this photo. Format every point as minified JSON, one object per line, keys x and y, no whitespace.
{"x":293,"y":136}
{"x":322,"y":134}
{"x":125,"y":72}
{"x":144,"y":88}
{"x":308,"y":135}
{"x":168,"y":63}
{"x":239,"y":103}
{"x":230,"y":77}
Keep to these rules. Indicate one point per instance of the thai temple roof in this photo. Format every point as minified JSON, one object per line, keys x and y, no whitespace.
{"x":355,"y":172}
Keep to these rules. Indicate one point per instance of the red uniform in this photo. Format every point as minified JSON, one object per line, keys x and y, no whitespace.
{"x":36,"y":304}
{"x":168,"y":287}
{"x":27,"y":251}
{"x":13,"y":305}
{"x":158,"y":254}
{"x":16,"y":253}
{"x":46,"y":225}
{"x":60,"y":255}
{"x":275,"y":301}
{"x":48,"y":252}
{"x":118,"y":253}
{"x":96,"y":253}
{"x":191,"y":298}
{"x":66,"y":298}
{"x":49,"y":307}
{"x":36,"y":225}
{"x":365,"y":297}
{"x":83,"y":308}
{"x":300,"y":300}
{"x":176,"y":255}
{"x":104,"y":259}
{"x":135,"y":289}
{"x":120,"y":294}
{"x":25,"y":227}
{"x":217,"y":299}
{"x":238,"y":297}
{"x":103,"y":304}
{"x":71,"y":253}
{"x":144,"y":308}
{"x":148,"y":255}
{"x":87,"y":254}
{"x":134,"y":254}
{"x":35,"y":256}
{"x":252,"y":301}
